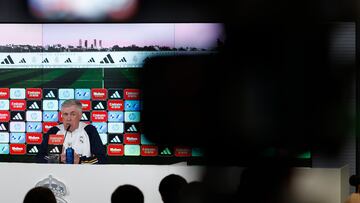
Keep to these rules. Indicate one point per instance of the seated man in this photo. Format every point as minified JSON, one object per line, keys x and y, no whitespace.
{"x":83,"y":138}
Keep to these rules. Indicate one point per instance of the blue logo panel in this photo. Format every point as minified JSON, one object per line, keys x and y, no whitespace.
{"x":100,"y":127}
{"x":4,"y":149}
{"x":17,"y":138}
{"x":115,"y":116}
{"x":132,"y":105}
{"x":4,"y":138}
{"x":50,"y":105}
{"x":132,"y":116}
{"x":50,"y":116}
{"x":17,"y":93}
{"x":82,"y":94}
{"x":4,"y":104}
{"x":66,"y":94}
{"x":34,"y":127}
{"x":115,"y":127}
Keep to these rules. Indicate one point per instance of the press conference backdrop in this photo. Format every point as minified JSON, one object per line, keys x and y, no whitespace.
{"x":98,"y":64}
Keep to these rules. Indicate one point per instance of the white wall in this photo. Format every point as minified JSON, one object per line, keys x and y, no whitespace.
{"x":95,"y":183}
{"x":89,"y":183}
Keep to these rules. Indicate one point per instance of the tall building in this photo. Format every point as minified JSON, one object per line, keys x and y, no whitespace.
{"x":80,"y":43}
{"x":94,"y":43}
{"x":100,"y":43}
{"x":86,"y":44}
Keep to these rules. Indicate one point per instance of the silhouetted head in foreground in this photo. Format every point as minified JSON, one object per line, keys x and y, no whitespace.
{"x":40,"y":194}
{"x":170,"y":186}
{"x":127,"y":194}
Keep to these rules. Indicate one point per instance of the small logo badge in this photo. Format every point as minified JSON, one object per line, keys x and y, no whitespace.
{"x":99,"y":94}
{"x":115,"y":105}
{"x":4,"y":93}
{"x":66,"y":94}
{"x":17,"y":149}
{"x":34,"y":93}
{"x":115,"y":150}
{"x":18,"y":127}
{"x":131,"y":94}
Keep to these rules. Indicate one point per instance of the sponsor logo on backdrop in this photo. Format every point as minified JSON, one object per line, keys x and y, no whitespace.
{"x":115,"y":105}
{"x":17,"y":93}
{"x":17,"y":105}
{"x":115,"y":138}
{"x":50,"y":93}
{"x":115,"y":93}
{"x":132,"y":127}
{"x":50,"y":116}
{"x":132,"y":116}
{"x":50,"y":105}
{"x":17,"y":116}
{"x":85,"y":116}
{"x":132,"y":150}
{"x":34,"y":93}
{"x":115,"y":116}
{"x":86,"y":105}
{"x":4,"y":93}
{"x":32,"y":149}
{"x":17,"y":149}
{"x":4,"y":137}
{"x":132,"y":105}
{"x":56,"y":139}
{"x":17,"y":126}
{"x":165,"y":151}
{"x":115,"y":150}
{"x":34,"y":127}
{"x":4,"y":149}
{"x":115,"y":127}
{"x":4,"y":116}
{"x":131,"y":94}
{"x":33,"y":115}
{"x":34,"y":138}
{"x":33,"y":105}
{"x":82,"y":94}
{"x":182,"y":151}
{"x":4,"y":127}
{"x":48,"y":125}
{"x":149,"y":150}
{"x":98,"y":105}
{"x":17,"y":137}
{"x":98,"y":94}
{"x":66,"y":94}
{"x":98,"y":116}
{"x":4,"y":104}
{"x":131,"y":138}
{"x":100,"y":127}
{"x":54,"y":149}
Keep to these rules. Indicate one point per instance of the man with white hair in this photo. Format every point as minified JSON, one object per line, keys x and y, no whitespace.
{"x":82,"y":137}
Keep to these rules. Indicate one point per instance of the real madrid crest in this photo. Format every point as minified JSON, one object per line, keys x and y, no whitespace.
{"x":57,"y":187}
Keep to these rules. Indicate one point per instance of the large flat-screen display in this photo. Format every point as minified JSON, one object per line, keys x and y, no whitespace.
{"x":42,"y":65}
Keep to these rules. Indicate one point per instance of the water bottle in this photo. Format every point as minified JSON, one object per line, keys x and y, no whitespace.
{"x":70,"y":155}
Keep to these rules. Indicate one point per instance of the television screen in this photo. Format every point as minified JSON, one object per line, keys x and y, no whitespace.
{"x":42,"y":65}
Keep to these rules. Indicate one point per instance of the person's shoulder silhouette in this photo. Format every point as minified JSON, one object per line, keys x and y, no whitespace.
{"x":170,"y":186}
{"x":127,"y":194}
{"x":40,"y":194}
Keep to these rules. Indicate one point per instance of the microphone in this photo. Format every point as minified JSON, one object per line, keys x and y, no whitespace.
{"x":66,"y":131}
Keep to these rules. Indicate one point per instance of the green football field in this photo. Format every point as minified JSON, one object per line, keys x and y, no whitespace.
{"x":74,"y":78}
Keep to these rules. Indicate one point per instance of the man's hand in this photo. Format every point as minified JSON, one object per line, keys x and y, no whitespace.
{"x":76,"y":158}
